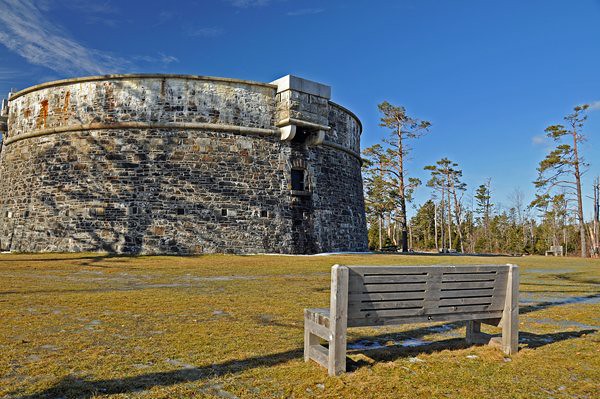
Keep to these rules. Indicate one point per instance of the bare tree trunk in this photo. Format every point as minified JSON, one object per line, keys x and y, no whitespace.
{"x":449,"y":220}
{"x":435,"y":225}
{"x":457,"y":213}
{"x":380,"y":228}
{"x":402,"y":192}
{"x":595,"y":239}
{"x":442,"y":220}
{"x":584,"y":252}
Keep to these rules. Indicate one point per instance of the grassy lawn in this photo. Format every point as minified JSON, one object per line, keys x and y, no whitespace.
{"x":223,"y":326}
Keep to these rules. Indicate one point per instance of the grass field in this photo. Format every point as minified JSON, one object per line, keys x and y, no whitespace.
{"x":90,"y":326}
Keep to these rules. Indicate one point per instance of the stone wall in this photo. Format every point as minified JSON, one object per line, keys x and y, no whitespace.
{"x":172,"y":164}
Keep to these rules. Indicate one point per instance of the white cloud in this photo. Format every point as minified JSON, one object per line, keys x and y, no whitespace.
{"x":305,"y":11}
{"x":160,"y":58}
{"x":94,"y":7}
{"x":25,"y":30}
{"x":539,"y":139}
{"x":595,"y":105}
{"x":210,"y":31}
{"x":7,"y":74}
{"x":248,"y":3}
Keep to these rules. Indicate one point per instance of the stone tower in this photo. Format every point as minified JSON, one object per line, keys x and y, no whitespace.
{"x":180,"y":164}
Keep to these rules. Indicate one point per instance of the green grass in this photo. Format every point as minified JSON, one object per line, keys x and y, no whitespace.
{"x":231,"y":326}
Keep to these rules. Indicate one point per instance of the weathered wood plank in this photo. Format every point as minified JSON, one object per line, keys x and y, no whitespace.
{"x":386,"y":296}
{"x":470,"y":293}
{"x":356,"y":287}
{"x":384,"y":321}
{"x":366,"y":306}
{"x":403,"y":312}
{"x":309,"y":340}
{"x":433,"y":287}
{"x":424,"y":269}
{"x":387,"y":269}
{"x":361,"y":288}
{"x":469,"y":285}
{"x":460,"y":309}
{"x":318,"y":330}
{"x":318,"y":315}
{"x":387,"y":313}
{"x":483,"y":276}
{"x":510,"y":315}
{"x":339,"y":320}
{"x":319,"y":354}
{"x":487,"y":300}
{"x":473,"y":268}
{"x":394,"y":279}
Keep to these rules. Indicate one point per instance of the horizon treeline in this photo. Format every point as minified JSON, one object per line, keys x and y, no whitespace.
{"x":446,"y":223}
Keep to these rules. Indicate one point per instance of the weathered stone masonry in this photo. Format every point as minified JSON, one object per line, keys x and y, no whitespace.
{"x":180,"y":164}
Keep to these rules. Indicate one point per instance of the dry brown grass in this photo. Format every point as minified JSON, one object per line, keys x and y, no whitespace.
{"x":88,"y":325}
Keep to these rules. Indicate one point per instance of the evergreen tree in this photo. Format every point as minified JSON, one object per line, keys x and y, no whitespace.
{"x":403,"y":127}
{"x":562,"y":168}
{"x":445,"y":177}
{"x":483,"y":197}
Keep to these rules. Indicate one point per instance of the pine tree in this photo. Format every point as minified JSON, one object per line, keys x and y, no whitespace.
{"x":561,"y":169}
{"x":445,"y":177}
{"x":483,"y":196}
{"x":403,"y":128}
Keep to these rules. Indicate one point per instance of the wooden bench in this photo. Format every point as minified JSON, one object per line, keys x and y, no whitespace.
{"x":386,"y":295}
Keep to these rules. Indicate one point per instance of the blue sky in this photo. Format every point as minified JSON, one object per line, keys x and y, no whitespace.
{"x":489,"y":75}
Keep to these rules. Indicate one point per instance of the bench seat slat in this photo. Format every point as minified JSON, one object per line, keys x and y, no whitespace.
{"x":496,"y":291}
{"x":393,"y":279}
{"x":475,"y":276}
{"x":359,"y":288}
{"x":427,"y":310}
{"x":467,"y":285}
{"x":361,"y":270}
{"x":360,"y":307}
{"x":386,"y":296}
{"x":356,"y":287}
{"x":485,"y":300}
{"x":363,"y":322}
{"x":428,"y":306}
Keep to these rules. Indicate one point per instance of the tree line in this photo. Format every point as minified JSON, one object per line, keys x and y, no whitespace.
{"x":448,"y":222}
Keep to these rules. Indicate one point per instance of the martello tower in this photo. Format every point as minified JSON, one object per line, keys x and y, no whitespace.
{"x":180,"y":164}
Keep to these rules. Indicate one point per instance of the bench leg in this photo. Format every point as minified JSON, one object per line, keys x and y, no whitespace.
{"x":473,"y":329}
{"x":339,"y":320}
{"x":337,"y":354}
{"x":510,"y":317}
{"x":510,"y":332}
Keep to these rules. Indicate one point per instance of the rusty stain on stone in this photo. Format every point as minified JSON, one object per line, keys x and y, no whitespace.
{"x":43,"y":116}
{"x":65,"y":109}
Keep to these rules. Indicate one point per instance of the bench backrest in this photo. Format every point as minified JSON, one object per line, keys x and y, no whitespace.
{"x":380,"y":295}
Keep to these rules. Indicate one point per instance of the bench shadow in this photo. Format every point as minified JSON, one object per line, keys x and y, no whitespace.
{"x":558,"y":302}
{"x":534,"y":341}
{"x":75,"y":387}
{"x":395,"y":352}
